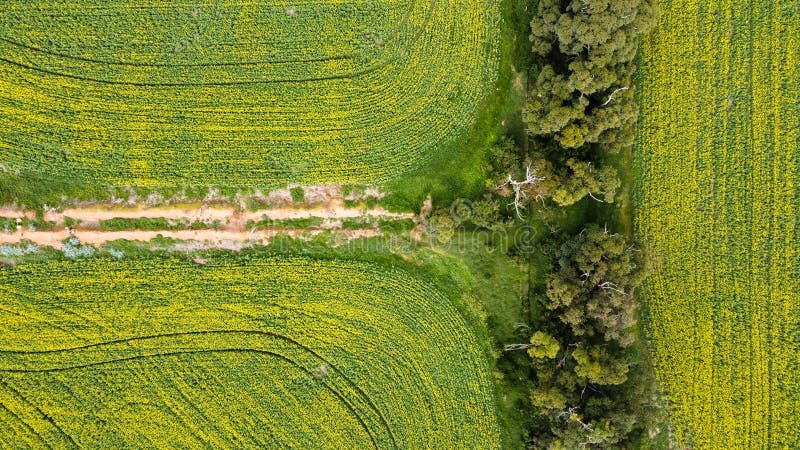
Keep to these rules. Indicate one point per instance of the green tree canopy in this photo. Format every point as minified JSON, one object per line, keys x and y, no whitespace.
{"x":599,"y":367}
{"x":592,"y":288}
{"x":543,"y":346}
{"x":584,"y":93}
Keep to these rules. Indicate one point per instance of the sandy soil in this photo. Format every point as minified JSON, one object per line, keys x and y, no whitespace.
{"x":333,"y":209}
{"x":219,"y":238}
{"x":232,"y":229}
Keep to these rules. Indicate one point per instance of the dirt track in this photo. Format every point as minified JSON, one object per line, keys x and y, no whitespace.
{"x":217,"y":238}
{"x":232,"y":224}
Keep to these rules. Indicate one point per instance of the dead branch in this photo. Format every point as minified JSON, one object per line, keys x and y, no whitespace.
{"x":519,"y":326}
{"x":595,"y":198}
{"x":611,"y":97}
{"x":512,"y":347}
{"x":611,"y":286}
{"x":519,"y":193}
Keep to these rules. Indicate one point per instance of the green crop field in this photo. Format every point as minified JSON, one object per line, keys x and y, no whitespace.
{"x":717,"y":167}
{"x":238,"y":352}
{"x":254,"y":93}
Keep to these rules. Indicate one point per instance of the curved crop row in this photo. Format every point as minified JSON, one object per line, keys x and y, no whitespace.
{"x":251,"y":94}
{"x":241,"y":351}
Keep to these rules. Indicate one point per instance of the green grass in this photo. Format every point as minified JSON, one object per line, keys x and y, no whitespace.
{"x":308,"y":222}
{"x":386,"y":225}
{"x":297,"y":194}
{"x":396,"y":225}
{"x":450,"y":177}
{"x":500,"y":285}
{"x":356,"y":223}
{"x":153,"y":224}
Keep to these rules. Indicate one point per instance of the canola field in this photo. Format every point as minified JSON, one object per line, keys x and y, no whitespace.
{"x":254,"y":93}
{"x":239,"y":352}
{"x":717,"y":172}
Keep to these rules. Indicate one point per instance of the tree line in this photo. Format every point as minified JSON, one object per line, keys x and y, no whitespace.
{"x":581,"y":105}
{"x":589,"y":389}
{"x":589,"y":386}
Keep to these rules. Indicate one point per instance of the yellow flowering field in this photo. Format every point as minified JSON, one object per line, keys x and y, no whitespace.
{"x":238,"y":351}
{"x":718,"y":204}
{"x":252,"y":93}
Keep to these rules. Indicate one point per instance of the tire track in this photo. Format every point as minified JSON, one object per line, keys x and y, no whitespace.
{"x":38,"y":410}
{"x":363,"y":396}
{"x":343,"y":76}
{"x":190,"y":352}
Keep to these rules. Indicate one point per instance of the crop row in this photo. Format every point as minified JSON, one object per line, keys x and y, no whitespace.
{"x":261,"y":94}
{"x":238,"y":351}
{"x":717,"y":165}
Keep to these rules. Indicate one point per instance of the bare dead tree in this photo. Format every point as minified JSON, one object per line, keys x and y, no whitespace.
{"x":611,"y":97}
{"x":611,"y":286}
{"x":519,"y":192}
{"x":512,"y":347}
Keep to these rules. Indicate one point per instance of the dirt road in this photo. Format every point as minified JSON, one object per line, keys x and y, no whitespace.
{"x":233,"y":224}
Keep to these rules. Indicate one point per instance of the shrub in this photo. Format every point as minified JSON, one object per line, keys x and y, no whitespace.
{"x":297,"y":194}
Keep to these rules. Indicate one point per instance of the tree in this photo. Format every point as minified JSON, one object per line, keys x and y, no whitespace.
{"x":580,"y":108}
{"x":521,"y":188}
{"x":592,"y":288}
{"x":583,"y":94}
{"x":543,"y":346}
{"x":599,"y":367}
{"x":442,"y":227}
{"x":584,"y":179}
{"x":543,"y":26}
{"x":566,"y":185}
{"x":486,"y":214}
{"x":548,"y":398}
{"x":551,"y":105}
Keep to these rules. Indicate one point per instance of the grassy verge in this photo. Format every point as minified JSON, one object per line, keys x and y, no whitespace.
{"x":155,"y":224}
{"x":501,"y":288}
{"x":461,"y":168}
{"x":308,"y":222}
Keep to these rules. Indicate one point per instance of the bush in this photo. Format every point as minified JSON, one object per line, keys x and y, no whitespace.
{"x":297,"y":194}
{"x":73,"y":249}
{"x":70,"y":222}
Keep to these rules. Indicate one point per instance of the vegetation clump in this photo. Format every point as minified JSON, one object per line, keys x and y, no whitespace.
{"x":584,"y":391}
{"x":584,"y":93}
{"x":580,"y":107}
